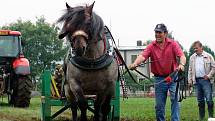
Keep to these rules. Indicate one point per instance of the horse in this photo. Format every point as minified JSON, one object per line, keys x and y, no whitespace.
{"x":89,"y":69}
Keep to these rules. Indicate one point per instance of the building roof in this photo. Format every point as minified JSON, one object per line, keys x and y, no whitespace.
{"x":131,"y":47}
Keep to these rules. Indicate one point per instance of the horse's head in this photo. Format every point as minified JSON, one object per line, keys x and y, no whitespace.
{"x":81,"y":27}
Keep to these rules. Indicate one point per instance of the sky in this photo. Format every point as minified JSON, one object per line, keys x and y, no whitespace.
{"x":129,"y":20}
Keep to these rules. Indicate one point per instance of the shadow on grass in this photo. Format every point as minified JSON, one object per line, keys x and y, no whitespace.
{"x":4,"y":104}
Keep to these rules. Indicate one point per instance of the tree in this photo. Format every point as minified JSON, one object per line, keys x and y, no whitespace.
{"x":170,"y":35}
{"x":147,"y":42}
{"x":41,"y":44}
{"x":142,"y":85}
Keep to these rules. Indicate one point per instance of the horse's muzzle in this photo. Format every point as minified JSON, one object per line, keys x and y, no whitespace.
{"x":79,"y":51}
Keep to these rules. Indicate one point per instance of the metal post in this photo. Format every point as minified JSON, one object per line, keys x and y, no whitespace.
{"x":45,"y":97}
{"x":116,"y":103}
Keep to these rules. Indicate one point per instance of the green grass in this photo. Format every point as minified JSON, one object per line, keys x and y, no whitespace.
{"x":143,"y":109}
{"x":131,"y":109}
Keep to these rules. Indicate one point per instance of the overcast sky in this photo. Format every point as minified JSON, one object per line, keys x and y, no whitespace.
{"x":129,"y":20}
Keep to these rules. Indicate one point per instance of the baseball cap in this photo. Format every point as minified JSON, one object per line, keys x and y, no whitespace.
{"x":160,"y":28}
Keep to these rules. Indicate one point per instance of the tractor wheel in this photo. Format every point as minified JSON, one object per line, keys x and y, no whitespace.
{"x":22,"y":92}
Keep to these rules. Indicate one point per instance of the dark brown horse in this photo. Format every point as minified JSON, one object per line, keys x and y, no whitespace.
{"x":89,"y":69}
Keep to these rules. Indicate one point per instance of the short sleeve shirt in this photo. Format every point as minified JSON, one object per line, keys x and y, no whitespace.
{"x":164,"y":60}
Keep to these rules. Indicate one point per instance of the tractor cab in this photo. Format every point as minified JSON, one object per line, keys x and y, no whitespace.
{"x":10,"y":43}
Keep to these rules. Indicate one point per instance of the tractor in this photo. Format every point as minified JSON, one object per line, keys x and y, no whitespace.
{"x":15,"y":80}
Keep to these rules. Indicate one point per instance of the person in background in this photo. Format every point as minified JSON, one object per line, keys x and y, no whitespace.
{"x":163,"y":53}
{"x":200,"y":73}
{"x":59,"y":76}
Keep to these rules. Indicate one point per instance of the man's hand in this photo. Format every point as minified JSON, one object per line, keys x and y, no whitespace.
{"x":133,"y":66}
{"x":190,"y":89}
{"x":190,"y":85}
{"x":181,"y":67}
{"x":206,"y":77}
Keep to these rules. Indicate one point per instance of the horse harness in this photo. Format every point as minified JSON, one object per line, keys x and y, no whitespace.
{"x":91,"y":64}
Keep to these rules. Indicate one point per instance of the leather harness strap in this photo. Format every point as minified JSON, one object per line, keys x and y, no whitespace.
{"x":91,"y":64}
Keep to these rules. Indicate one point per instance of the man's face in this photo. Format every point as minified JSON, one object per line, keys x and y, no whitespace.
{"x":160,"y":36}
{"x":197,"y":49}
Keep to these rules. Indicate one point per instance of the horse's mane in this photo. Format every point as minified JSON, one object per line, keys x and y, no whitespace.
{"x":74,"y":19}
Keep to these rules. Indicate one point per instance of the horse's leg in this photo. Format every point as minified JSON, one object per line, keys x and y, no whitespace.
{"x":82,"y":104}
{"x":73,"y":101}
{"x":97,"y":108}
{"x":74,"y":108}
{"x":106,"y":107}
{"x":79,"y":98}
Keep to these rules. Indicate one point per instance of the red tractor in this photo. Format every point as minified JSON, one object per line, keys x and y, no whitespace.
{"x":14,"y":70}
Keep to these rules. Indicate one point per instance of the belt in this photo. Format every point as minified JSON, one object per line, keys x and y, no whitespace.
{"x":199,"y":77}
{"x":164,"y":76}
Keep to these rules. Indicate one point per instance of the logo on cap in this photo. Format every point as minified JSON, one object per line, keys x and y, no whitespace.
{"x":159,"y":26}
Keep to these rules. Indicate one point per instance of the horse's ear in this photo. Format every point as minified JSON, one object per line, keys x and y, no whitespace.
{"x":89,"y":9}
{"x":67,"y":6}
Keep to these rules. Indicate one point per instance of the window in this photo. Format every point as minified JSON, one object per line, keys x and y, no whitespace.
{"x":9,"y":46}
{"x":133,"y":57}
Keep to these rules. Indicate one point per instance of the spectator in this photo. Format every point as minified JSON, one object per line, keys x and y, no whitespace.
{"x":201,"y":71}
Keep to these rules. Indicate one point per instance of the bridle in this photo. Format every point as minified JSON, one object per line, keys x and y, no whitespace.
{"x":87,"y":38}
{"x":80,"y":33}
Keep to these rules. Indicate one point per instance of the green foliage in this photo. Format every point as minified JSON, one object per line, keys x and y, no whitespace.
{"x":147,"y":42}
{"x":169,"y":35}
{"x":130,"y":83}
{"x":207,"y":49}
{"x":41,"y":44}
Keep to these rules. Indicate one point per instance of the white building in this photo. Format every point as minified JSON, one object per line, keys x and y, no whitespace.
{"x":130,"y":53}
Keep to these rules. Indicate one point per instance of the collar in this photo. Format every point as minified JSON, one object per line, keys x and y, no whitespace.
{"x":91,"y":64}
{"x":204,"y":54}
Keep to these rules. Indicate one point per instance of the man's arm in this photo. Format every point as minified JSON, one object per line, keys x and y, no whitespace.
{"x":212,"y":72}
{"x":141,"y":57}
{"x":137,"y":62}
{"x":182,"y":63}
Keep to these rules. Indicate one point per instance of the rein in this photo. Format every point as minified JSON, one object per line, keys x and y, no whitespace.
{"x":126,"y":67}
{"x":122,"y":60}
{"x":176,"y":76}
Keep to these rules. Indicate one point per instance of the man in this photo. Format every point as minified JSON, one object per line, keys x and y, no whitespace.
{"x":201,"y":71}
{"x":59,"y":76}
{"x":163,"y":52}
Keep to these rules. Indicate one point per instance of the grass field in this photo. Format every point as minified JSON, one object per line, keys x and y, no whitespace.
{"x":132,"y":109}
